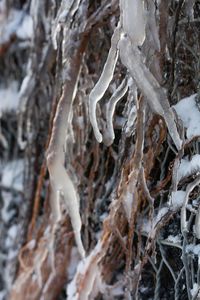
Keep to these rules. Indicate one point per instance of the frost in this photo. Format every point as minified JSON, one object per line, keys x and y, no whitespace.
{"x":188,"y":167}
{"x":190,"y":115}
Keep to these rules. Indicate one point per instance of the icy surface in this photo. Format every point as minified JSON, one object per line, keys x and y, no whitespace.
{"x":9,"y":98}
{"x":190,"y":115}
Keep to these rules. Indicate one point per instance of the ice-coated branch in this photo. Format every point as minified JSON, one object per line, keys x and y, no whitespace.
{"x":133,"y":20}
{"x":110,"y":109}
{"x":103,"y":82}
{"x":61,"y":183}
{"x":131,"y":57}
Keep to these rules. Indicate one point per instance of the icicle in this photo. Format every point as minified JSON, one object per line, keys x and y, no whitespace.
{"x":103,"y":83}
{"x":115,"y":98}
{"x":155,"y":95}
{"x":152,"y":26}
{"x":62,"y":183}
{"x":133,"y":20}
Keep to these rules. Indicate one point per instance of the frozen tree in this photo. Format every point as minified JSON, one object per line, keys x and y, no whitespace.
{"x":99,"y":145}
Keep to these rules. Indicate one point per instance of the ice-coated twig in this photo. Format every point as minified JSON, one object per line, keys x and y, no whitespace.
{"x":103,"y":82}
{"x":110,"y":109}
{"x":131,"y":57}
{"x":189,"y":189}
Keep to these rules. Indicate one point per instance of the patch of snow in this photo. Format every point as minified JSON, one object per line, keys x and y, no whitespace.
{"x":188,"y":167}
{"x":17,"y":22}
{"x":9,"y":98}
{"x":194,"y":290}
{"x":177,"y":199}
{"x":9,"y":24}
{"x":25,"y":30}
{"x":190,"y":115}
{"x":12,"y":175}
{"x":12,"y":232}
{"x":12,"y":254}
{"x":174,"y":239}
{"x":195,"y":249}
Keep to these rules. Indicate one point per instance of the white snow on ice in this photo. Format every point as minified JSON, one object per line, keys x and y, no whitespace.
{"x":177,"y":199}
{"x":190,"y":115}
{"x":188,"y":167}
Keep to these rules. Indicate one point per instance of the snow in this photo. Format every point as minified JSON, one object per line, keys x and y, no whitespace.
{"x":12,"y":175}
{"x":25,"y":30}
{"x":194,"y":290}
{"x":174,"y":239}
{"x":177,"y":199}
{"x":17,"y":22}
{"x":195,"y":249}
{"x":9,"y":98}
{"x":188,"y":167}
{"x":190,"y":116}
